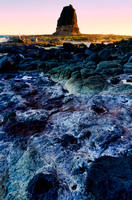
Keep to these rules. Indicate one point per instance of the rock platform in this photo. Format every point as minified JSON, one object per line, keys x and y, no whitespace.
{"x":65,"y":122}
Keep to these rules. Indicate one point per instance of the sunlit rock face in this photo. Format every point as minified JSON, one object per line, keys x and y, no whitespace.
{"x":67,"y":22}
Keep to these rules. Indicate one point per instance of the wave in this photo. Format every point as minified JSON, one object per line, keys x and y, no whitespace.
{"x":3,"y":39}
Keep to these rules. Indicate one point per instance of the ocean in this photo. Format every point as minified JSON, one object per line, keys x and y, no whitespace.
{"x":3,"y":38}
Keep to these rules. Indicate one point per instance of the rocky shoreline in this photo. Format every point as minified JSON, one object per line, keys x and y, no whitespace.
{"x":65,"y":122}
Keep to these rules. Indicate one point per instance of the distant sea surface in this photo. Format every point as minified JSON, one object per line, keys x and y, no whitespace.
{"x":3,"y":38}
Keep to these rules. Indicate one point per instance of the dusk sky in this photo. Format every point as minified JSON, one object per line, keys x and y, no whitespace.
{"x":40,"y":16}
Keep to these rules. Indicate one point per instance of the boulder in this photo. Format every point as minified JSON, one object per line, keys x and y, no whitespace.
{"x":96,"y":46}
{"x":128,"y":65}
{"x":41,"y":51}
{"x":129,"y":42}
{"x":31,"y":53}
{"x":65,"y":56}
{"x":17,"y":57}
{"x":86,"y":72}
{"x":68,"y":46}
{"x":93,"y":57}
{"x":76,"y":74}
{"x":104,"y":54}
{"x":128,"y":70}
{"x":46,"y":56}
{"x":6,"y":64}
{"x":15,"y":49}
{"x":112,"y":71}
{"x":114,"y":80}
{"x":111,"y":178}
{"x":92,"y":46}
{"x":91,"y":65}
{"x":79,"y":57}
{"x":74,"y":85}
{"x":108,"y":64}
{"x":88,"y":52}
{"x":130,"y":59}
{"x":94,"y":84}
{"x":29,"y":64}
{"x":89,"y":85}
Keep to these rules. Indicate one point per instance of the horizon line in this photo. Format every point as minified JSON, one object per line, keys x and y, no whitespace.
{"x":51,"y":34}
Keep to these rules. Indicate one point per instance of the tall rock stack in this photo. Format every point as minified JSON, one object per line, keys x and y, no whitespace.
{"x":67,"y":23}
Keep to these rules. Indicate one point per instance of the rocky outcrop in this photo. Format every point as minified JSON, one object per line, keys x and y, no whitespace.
{"x":67,"y":23}
{"x":66,"y":144}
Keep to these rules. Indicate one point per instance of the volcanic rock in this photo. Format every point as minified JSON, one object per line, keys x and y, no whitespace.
{"x":110,"y":178}
{"x":69,"y":138}
{"x":67,"y":22}
{"x":6,"y":64}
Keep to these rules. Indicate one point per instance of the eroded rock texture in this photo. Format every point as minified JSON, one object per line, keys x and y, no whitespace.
{"x":70,"y":138}
{"x":67,"y":23}
{"x":50,"y":141}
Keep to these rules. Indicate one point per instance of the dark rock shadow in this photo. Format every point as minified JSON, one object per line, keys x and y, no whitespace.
{"x":110,"y":178}
{"x":43,"y":187}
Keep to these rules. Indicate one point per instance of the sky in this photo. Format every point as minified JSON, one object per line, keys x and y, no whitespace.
{"x":40,"y":16}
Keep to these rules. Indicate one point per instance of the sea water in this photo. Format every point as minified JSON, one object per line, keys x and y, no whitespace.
{"x":3,"y":38}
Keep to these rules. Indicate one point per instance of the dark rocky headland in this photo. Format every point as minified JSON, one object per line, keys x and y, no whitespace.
{"x":66,"y":121}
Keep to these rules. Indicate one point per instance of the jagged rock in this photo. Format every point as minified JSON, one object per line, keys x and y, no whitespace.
{"x":67,"y":23}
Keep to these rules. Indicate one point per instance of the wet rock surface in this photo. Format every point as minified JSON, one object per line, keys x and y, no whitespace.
{"x":65,"y":124}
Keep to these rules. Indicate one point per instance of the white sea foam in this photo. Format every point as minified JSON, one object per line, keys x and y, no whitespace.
{"x":4,"y":39}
